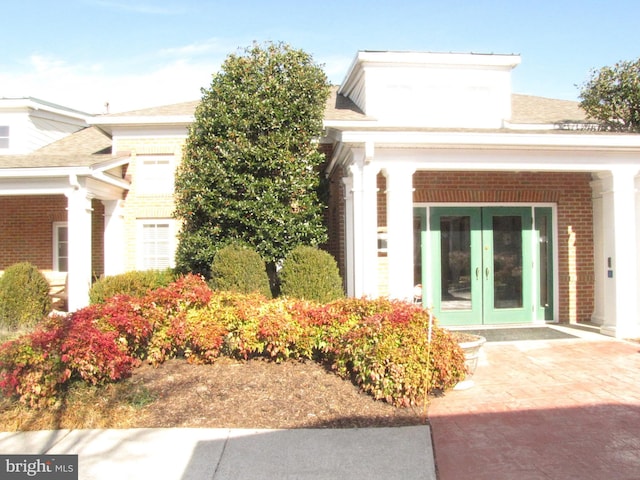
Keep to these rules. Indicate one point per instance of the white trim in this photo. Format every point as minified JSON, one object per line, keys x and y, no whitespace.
{"x":140,"y":243}
{"x":155,"y":174}
{"x":56,"y":244}
{"x":478,"y":139}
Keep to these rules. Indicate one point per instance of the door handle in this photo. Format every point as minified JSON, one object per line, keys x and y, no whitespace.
{"x":477,"y":273}
{"x":486,"y":273}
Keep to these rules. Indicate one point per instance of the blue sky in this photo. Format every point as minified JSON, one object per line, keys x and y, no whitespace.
{"x":139,"y":53}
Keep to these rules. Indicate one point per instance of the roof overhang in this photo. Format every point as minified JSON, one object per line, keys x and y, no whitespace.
{"x":111,"y":122}
{"x":58,"y":180}
{"x":487,"y":150}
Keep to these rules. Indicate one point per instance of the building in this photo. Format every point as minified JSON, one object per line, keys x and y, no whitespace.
{"x":446,"y":189}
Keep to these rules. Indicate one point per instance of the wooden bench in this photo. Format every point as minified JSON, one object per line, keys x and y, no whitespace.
{"x":57,"y":286}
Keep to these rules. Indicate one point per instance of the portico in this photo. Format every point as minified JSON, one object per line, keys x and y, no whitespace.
{"x":546,"y":215}
{"x":78,"y":188}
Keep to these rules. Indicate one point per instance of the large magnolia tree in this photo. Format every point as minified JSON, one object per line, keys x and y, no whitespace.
{"x":612,"y":96}
{"x":250,"y":166}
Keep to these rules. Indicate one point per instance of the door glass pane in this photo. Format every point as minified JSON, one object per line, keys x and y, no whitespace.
{"x":507,"y":261}
{"x":417,"y":259}
{"x":543,"y":238}
{"x":455,"y":262}
{"x":63,"y":248}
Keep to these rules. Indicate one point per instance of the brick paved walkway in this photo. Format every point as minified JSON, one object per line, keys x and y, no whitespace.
{"x":557,"y":409}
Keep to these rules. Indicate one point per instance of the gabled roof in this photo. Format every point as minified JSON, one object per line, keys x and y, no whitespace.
{"x":339,"y":107}
{"x":92,"y":146}
{"x":531,"y":109}
{"x":176,"y":109}
{"x":526,"y":109}
{"x":37,"y":104}
{"x":84,"y":148}
{"x":176,"y":115}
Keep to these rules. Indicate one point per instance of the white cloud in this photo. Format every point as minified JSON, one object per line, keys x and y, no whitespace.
{"x":137,"y":7}
{"x":177,"y":75}
{"x":211,"y":46}
{"x":89,"y":87}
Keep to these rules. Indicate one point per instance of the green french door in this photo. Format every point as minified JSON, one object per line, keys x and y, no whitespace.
{"x":481,"y":265}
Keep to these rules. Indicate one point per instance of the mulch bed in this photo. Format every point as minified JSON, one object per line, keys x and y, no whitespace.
{"x":261,"y":394}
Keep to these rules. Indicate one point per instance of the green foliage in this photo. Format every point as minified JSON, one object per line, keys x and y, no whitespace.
{"x":612,"y":96}
{"x":311,"y":274}
{"x":239,"y":268}
{"x":388,"y":355}
{"x":24,"y":296}
{"x":249,"y":171}
{"x":134,"y":283}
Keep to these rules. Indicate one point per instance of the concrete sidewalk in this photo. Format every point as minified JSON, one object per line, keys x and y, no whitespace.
{"x":375,"y":453}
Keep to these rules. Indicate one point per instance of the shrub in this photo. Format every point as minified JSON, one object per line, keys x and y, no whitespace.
{"x":31,"y":367}
{"x":238,"y":268}
{"x":135,"y":283}
{"x":24,"y":296}
{"x":311,"y":274}
{"x":36,"y":366}
{"x":166,"y":309}
{"x":204,"y":335}
{"x":125,"y":316}
{"x":91,"y":353}
{"x":381,"y":345}
{"x":387,"y":355}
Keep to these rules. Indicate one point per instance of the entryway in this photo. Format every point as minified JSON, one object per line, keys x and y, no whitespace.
{"x":486,"y":264}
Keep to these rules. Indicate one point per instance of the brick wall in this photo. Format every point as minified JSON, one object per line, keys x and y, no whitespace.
{"x":570,"y":192}
{"x":26,"y":230}
{"x":335,"y":220}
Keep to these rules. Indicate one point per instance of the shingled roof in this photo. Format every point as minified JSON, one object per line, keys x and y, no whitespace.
{"x":81,"y":149}
{"x":91,"y":145}
{"x":175,"y":109}
{"x":536,"y":110}
{"x":526,"y":109}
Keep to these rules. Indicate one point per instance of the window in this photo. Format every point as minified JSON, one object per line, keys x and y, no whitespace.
{"x":155,"y":173}
{"x":60,"y":247}
{"x":155,"y":244}
{"x":4,"y":136}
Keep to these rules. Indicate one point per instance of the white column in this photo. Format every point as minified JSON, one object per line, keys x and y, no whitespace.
{"x":365,"y":221}
{"x":114,"y":241}
{"x":348,"y":235}
{"x":370,"y":231}
{"x":400,"y":230}
{"x":79,"y":214}
{"x":600,"y":272}
{"x":620,"y":244}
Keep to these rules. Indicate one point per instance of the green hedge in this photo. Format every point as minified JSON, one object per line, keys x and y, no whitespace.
{"x":239,"y":268}
{"x":24,"y":296}
{"x":134,"y":283}
{"x":311,"y":274}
